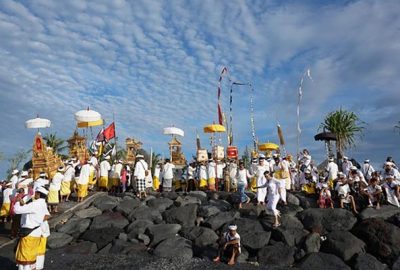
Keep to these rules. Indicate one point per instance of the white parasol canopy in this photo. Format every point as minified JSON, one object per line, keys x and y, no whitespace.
{"x":174,"y":131}
{"x":87,"y":116}
{"x":38,"y":123}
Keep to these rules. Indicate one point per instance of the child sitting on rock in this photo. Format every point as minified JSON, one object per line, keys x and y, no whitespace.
{"x":325,"y":198}
{"x":229,"y":245}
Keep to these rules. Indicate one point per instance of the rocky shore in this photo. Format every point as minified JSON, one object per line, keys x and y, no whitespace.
{"x":179,"y":231}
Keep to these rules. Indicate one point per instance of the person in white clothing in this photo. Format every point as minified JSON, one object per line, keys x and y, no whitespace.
{"x":273,"y":196}
{"x":346,"y":165}
{"x":390,"y":169}
{"x":220,"y":175}
{"x":281,"y":173}
{"x":83,"y":181}
{"x":305,"y":160}
{"x":261,"y":181}
{"x":343,"y":190}
{"x":42,"y":181}
{"x":168,"y":175}
{"x":140,"y":173}
{"x":211,"y":170}
{"x":34,"y":215}
{"x":105,"y":168}
{"x":69,"y":175}
{"x":332,"y":170}
{"x":8,"y":192}
{"x":367,"y":170}
{"x":392,"y":190}
{"x":242,"y":176}
{"x":54,"y":189}
{"x":374,"y":193}
{"x":229,"y":245}
{"x":14,"y":178}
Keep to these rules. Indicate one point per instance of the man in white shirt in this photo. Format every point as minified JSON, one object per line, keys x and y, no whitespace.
{"x":14,"y":179}
{"x":220,"y":175}
{"x":8,"y":192}
{"x":229,"y":245}
{"x":54,"y":189}
{"x":168,"y":175}
{"x":343,"y":190}
{"x":42,"y":181}
{"x":140,"y":173}
{"x":332,"y":169}
{"x":346,"y":165}
{"x":34,"y":214}
{"x":374,"y":193}
{"x":242,"y":176}
{"x":367,"y":169}
{"x":211,"y":169}
{"x":105,"y":167}
{"x":83,"y":181}
{"x":69,"y":175}
{"x":261,"y":181}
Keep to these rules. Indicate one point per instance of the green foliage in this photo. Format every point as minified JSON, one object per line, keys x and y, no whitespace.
{"x":55,"y":142}
{"x":346,"y":125}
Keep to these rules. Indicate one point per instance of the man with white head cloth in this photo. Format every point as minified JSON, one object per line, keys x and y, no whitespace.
{"x":367,"y":169}
{"x":229,"y":245}
{"x":261,"y":181}
{"x":14,"y":179}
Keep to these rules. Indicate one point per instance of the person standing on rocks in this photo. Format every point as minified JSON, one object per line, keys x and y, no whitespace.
{"x":220,"y":175}
{"x":261,"y":181}
{"x":273,"y":195}
{"x":140,"y":173}
{"x":191,"y":174}
{"x":211,"y":169}
{"x":105,"y":167}
{"x":346,"y":165}
{"x":54,"y":190}
{"x":30,"y":244}
{"x":83,"y":181}
{"x":156,"y":177}
{"x":229,"y":245}
{"x":281,"y":173}
{"x":203,"y":176}
{"x":5,"y":208}
{"x":242,"y":176}
{"x":332,"y":170}
{"x":65,"y":191}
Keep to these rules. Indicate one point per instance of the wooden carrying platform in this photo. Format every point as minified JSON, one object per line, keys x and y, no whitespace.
{"x":43,"y":158}
{"x":77,"y":147}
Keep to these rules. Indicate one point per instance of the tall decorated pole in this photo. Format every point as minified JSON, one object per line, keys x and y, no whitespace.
{"x":307,"y":74}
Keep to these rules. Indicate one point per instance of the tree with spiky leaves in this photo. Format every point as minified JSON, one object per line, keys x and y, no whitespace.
{"x":55,"y":142}
{"x":347,"y":127}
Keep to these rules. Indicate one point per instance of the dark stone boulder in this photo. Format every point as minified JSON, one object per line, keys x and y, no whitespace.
{"x":170,"y":195}
{"x":306,"y":202}
{"x":289,"y":209}
{"x":109,"y":219}
{"x":251,"y":210}
{"x":58,"y":239}
{"x":245,"y":225}
{"x":176,"y":247}
{"x":255,"y":240}
{"x":182,"y":201}
{"x":368,"y":262}
{"x":160,"y":204}
{"x":385,"y":212}
{"x":90,"y":212}
{"x":138,"y":226}
{"x":184,"y":215}
{"x":144,"y":238}
{"x":127,"y":205}
{"x":82,"y":248}
{"x":327,"y":220}
{"x":292,"y":199}
{"x":343,"y":244}
{"x":217,"y":221}
{"x":161,"y":232}
{"x":323,"y":261}
{"x":200,"y":236}
{"x":207,"y":211}
{"x":291,"y":236}
{"x":105,"y":203}
{"x":101,"y":237}
{"x":74,"y":226}
{"x":312,"y":243}
{"x":147,"y":213}
{"x":121,"y":247}
{"x":277,"y":254}
{"x":382,"y":238}
{"x":222,"y":205}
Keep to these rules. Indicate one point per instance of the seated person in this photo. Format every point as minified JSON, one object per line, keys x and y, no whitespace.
{"x":229,"y":245}
{"x":308,"y":181}
{"x":391,"y":188}
{"x":356,"y":181}
{"x":325,"y":199}
{"x":374,"y":193}
{"x":343,"y":190}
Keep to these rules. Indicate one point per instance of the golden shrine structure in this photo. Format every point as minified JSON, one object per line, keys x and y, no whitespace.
{"x":132,"y":146}
{"x":43,"y":158}
{"x":77,"y":147}
{"x":177,"y":157}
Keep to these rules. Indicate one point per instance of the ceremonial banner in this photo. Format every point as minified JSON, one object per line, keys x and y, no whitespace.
{"x":109,"y":132}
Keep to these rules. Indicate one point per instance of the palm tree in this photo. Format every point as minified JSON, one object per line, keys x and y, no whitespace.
{"x":55,"y":142}
{"x":154,"y":161}
{"x":346,"y":126}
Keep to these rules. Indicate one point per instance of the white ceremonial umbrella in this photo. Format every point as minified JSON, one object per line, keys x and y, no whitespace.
{"x":87,"y":116}
{"x":38,"y":123}
{"x":174,"y":131}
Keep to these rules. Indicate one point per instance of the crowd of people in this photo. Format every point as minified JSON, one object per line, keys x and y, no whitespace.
{"x":27,"y":202}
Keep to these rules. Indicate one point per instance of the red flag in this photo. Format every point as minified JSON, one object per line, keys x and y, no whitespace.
{"x":220,"y":120}
{"x":109,"y":132}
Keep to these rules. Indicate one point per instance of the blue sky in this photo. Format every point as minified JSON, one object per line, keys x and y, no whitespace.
{"x":156,"y":63}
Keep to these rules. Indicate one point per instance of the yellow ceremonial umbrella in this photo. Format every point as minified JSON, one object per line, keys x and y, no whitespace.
{"x":268,"y":147}
{"x":214,"y":128}
{"x":90,"y":124}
